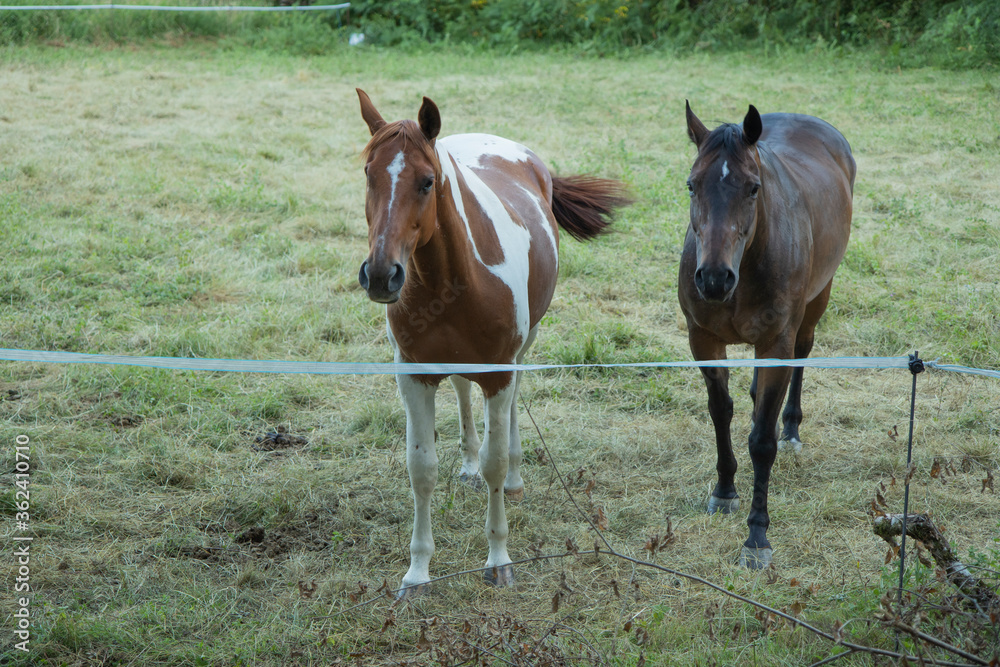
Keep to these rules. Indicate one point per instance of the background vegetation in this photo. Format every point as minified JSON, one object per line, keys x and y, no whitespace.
{"x":953,"y":33}
{"x":197,"y":200}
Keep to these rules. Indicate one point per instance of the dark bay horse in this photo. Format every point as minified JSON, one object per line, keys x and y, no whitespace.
{"x":463,"y":247}
{"x":770,"y":219}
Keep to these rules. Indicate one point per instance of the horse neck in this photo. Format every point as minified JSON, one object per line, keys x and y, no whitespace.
{"x":762,"y":230}
{"x":445,"y":259}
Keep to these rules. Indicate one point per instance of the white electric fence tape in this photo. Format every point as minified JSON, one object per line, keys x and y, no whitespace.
{"x":155,"y":8}
{"x":363,"y":368}
{"x":355,"y":368}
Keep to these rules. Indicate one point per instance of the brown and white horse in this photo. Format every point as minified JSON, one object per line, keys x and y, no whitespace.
{"x":770,"y":218}
{"x":463,"y":247}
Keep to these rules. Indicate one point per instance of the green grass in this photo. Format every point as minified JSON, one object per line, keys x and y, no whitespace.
{"x":206,"y":200}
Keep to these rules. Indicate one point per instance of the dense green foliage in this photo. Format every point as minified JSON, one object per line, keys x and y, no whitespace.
{"x":954,"y":33}
{"x":962,"y":31}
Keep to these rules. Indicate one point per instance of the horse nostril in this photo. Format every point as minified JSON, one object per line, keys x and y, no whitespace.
{"x":397,"y":277}
{"x":730,"y":281}
{"x":363,"y":275}
{"x":699,"y":280}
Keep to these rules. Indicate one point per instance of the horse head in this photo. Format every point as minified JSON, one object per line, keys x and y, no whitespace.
{"x":724,"y":184}
{"x":402,"y":171}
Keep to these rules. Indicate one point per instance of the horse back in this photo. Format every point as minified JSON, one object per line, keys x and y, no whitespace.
{"x":809,"y":172}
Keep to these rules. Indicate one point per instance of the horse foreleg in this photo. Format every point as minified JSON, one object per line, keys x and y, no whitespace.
{"x":422,"y":465}
{"x":470,"y":444}
{"x":720,"y":406}
{"x":771,"y":386}
{"x":494,"y":462}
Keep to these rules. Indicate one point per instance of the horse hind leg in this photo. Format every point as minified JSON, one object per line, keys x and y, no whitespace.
{"x":469,"y":438}
{"x":791,"y":417}
{"x":494,"y":459}
{"x":513,"y":485}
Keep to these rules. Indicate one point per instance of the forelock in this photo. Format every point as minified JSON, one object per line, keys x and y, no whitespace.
{"x":727,"y":137}
{"x":412,"y":136}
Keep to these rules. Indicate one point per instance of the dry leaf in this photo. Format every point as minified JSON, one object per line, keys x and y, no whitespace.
{"x":555,"y":601}
{"x":601,"y":519}
{"x":571,"y":546}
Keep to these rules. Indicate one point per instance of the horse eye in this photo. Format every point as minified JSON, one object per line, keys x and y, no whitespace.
{"x":754,"y":189}
{"x":690,"y":189}
{"x":427,"y":184}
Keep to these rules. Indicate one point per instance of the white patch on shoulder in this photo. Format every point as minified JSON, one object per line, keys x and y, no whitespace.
{"x":395,"y":169}
{"x":725,"y":170}
{"x":461,"y":154}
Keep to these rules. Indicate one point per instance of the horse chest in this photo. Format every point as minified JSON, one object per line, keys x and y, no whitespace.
{"x":456,"y":324}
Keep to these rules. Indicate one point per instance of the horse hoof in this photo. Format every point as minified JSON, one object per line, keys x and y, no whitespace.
{"x":514,"y":495}
{"x":500,"y":575}
{"x":755,"y":559}
{"x":794,"y":445}
{"x":411,"y":592}
{"x":475,"y":480}
{"x":718,"y":505}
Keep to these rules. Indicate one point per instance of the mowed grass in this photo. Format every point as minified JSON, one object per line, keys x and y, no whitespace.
{"x":209,"y":202}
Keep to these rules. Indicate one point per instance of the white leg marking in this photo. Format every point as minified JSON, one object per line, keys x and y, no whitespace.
{"x":421,"y":462}
{"x":494,"y":459}
{"x":467,"y":426}
{"x":514,"y":484}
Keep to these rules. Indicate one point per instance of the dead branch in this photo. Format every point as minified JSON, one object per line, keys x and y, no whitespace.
{"x":921,"y":527}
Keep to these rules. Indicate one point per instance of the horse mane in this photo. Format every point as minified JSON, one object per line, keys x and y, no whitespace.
{"x":728,"y":136}
{"x":412,"y":135}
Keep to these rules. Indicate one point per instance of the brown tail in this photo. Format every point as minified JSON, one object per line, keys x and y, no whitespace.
{"x":584,"y":206}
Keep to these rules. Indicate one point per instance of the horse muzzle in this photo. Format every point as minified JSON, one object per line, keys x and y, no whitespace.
{"x":715,"y":283}
{"x":383,"y":286}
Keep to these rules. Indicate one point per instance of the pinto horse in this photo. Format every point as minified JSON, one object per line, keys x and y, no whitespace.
{"x":770,"y":219}
{"x":463,"y":247}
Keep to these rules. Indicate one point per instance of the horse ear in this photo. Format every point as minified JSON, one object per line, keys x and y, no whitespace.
{"x":369,"y":113}
{"x":752,"y":126}
{"x":696,"y":129}
{"x":430,"y":119}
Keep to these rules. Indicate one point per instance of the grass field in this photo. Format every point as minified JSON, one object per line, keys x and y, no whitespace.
{"x":201,"y":201}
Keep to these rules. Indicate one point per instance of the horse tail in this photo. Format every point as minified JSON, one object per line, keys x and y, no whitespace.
{"x":585,"y":206}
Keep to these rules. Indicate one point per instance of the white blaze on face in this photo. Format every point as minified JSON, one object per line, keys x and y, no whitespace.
{"x":725,"y":170}
{"x":468,"y":151}
{"x":395,"y":169}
